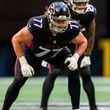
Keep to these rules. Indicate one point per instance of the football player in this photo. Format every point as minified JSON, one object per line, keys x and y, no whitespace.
{"x":45,"y":38}
{"x":85,"y":14}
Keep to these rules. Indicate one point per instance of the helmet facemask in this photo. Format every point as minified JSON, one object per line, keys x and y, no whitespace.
{"x":79,"y":6}
{"x":59,"y":25}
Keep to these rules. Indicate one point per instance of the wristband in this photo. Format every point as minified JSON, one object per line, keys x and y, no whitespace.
{"x":22,"y":60}
{"x":76,"y":55}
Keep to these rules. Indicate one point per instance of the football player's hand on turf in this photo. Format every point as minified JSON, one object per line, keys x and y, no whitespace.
{"x":72,"y":62}
{"x":26,"y":69}
{"x":85,"y":61}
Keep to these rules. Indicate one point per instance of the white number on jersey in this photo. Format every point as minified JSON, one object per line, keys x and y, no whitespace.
{"x":45,"y":51}
{"x":38,"y":23}
{"x":90,"y":8}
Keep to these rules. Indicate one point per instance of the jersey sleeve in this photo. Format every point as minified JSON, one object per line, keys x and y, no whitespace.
{"x":30,"y":25}
{"x":34,"y":24}
{"x":88,"y":16}
{"x":75,"y":27}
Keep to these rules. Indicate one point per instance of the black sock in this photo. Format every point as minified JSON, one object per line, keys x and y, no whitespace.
{"x":88,"y":86}
{"x":74,"y":88}
{"x":12,"y":92}
{"x":47,"y":88}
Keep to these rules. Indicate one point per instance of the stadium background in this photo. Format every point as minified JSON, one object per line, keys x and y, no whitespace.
{"x":15,"y":14}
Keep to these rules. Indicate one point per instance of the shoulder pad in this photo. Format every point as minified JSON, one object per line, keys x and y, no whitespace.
{"x":88,"y":16}
{"x":74,"y":23}
{"x":35,"y":23}
{"x":74,"y":27}
{"x":90,"y":8}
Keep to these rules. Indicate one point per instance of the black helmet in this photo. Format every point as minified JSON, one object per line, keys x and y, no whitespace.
{"x":58,"y":11}
{"x":78,"y":6}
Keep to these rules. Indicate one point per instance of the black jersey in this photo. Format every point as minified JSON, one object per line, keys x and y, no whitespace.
{"x":44,"y":44}
{"x":87,"y":17}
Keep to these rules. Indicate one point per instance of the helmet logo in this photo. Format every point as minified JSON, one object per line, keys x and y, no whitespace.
{"x":57,"y":10}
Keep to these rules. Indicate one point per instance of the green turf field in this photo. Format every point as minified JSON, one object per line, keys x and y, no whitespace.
{"x":31,"y":93}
